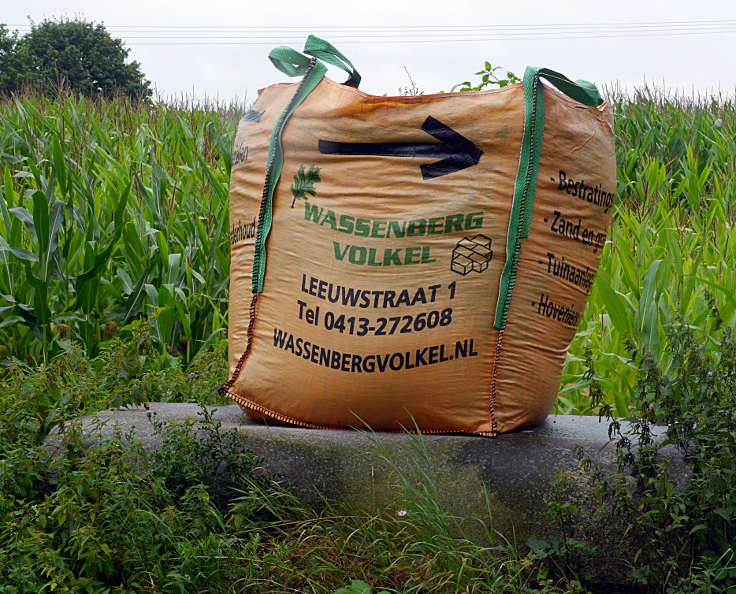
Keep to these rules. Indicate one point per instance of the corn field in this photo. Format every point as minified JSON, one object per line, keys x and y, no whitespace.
{"x":112,"y":211}
{"x":672,"y":251}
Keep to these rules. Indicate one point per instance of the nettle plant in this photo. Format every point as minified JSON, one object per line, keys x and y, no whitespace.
{"x":685,"y":530}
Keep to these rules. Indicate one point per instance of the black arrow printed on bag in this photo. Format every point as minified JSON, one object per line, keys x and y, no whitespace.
{"x":455,"y":151}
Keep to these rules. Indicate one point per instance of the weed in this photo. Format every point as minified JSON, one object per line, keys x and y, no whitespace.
{"x":685,"y":529}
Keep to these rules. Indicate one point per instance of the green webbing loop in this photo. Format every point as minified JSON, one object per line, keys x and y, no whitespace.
{"x":293,"y":63}
{"x":526,"y":176}
{"x":325,"y":51}
{"x":289,"y":61}
{"x":581,"y":90}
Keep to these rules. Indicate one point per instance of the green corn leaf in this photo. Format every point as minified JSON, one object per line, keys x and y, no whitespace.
{"x":59,"y":165}
{"x":41,"y":224}
{"x":133,"y":303}
{"x":20,"y":253}
{"x":24,"y":216}
{"x":86,"y":283}
{"x":616,"y":306}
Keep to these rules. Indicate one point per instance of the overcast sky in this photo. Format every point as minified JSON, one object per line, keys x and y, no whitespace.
{"x":574,"y":39}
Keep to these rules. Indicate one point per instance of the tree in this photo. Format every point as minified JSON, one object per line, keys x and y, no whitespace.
{"x":71,"y":54}
{"x":14,"y":63}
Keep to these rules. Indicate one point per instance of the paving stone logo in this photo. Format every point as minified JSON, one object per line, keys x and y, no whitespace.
{"x":471,"y":254}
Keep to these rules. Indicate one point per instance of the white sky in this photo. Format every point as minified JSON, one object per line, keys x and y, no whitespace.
{"x":692,"y":63}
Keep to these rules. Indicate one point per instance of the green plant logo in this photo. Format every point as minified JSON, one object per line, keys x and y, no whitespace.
{"x":304,"y":182}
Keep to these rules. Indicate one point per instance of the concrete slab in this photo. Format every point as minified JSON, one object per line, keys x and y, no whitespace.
{"x":505,"y":483}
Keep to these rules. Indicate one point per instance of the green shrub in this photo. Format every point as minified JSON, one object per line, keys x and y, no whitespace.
{"x":686,"y":532}
{"x":117,"y":517}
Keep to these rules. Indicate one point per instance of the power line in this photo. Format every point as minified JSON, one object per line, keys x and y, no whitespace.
{"x":722,"y":29}
{"x":419,"y":27}
{"x":178,"y":35}
{"x":276,"y":33}
{"x":381,"y":38}
{"x":409,"y":34}
{"x":440,"y":40}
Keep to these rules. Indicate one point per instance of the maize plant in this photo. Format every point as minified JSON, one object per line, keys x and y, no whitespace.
{"x":109,"y":211}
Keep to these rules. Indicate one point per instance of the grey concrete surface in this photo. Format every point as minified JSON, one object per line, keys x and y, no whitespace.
{"x":503,"y":483}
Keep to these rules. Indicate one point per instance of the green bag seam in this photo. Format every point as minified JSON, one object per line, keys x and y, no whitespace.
{"x":525,"y":185}
{"x":274,"y":164}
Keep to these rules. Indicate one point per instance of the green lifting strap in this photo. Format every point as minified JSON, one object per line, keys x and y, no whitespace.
{"x":325,"y":51}
{"x":526,"y":176}
{"x":291,"y":63}
{"x":581,"y":90}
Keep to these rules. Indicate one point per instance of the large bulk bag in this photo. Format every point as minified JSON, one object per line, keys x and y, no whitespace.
{"x":412,"y":262}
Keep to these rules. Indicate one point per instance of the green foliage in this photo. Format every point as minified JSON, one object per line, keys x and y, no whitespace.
{"x":672,"y":238}
{"x":561,"y":554}
{"x":672,"y":231}
{"x":358,"y":587}
{"x":120,"y":518}
{"x":488,"y":79}
{"x":128,"y":370}
{"x":111,"y":211}
{"x":198,"y":513}
{"x":686,"y":532}
{"x":14,"y":61}
{"x":70,"y":55}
